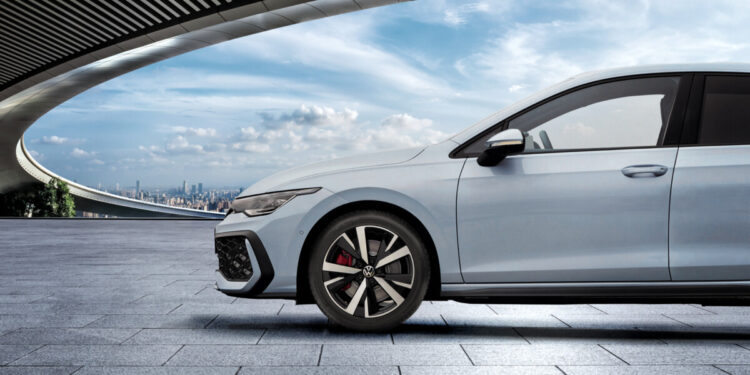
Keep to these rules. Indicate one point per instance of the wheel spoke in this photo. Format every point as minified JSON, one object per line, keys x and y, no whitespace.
{"x":339,"y":282}
{"x":334,"y":280}
{"x":347,"y":245}
{"x":397,"y":298}
{"x":398,"y":254}
{"x":390,"y":244}
{"x":362,"y":239}
{"x":402,"y":280}
{"x":333,"y":267}
{"x":371,"y":301}
{"x":356,"y":298}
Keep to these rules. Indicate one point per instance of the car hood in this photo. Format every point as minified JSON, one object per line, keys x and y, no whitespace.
{"x":286,"y":179}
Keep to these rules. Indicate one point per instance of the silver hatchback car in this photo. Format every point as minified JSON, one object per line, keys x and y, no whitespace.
{"x":628,"y":185}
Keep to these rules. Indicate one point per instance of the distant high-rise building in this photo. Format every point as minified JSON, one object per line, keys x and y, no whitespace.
{"x":137,"y":187}
{"x":193,"y":189}
{"x":200,"y":188}
{"x":117,"y":186}
{"x":184,"y":187}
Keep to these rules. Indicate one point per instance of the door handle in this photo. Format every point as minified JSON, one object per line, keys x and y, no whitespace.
{"x":646,"y":170}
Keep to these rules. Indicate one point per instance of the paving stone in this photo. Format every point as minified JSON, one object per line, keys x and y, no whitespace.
{"x":681,"y":354}
{"x":727,"y":310}
{"x":45,"y":320}
{"x":527,"y":355}
{"x":20,"y":298}
{"x":83,"y":336}
{"x":152,"y":321}
{"x":37,"y":370}
{"x":419,"y":319}
{"x":409,"y":335}
{"x":264,"y":321}
{"x":479,"y":370}
{"x":717,"y":323}
{"x":100,"y":355}
{"x":735,"y":370}
{"x":641,"y":370}
{"x":321,"y":370}
{"x":460,"y":320}
{"x":526,"y":310}
{"x":322,"y":335}
{"x":394,"y":355}
{"x":157,"y":371}
{"x":705,"y":335}
{"x":246,"y":355}
{"x":27,"y":308}
{"x":196,"y":336}
{"x":186,"y":299}
{"x":448,"y":307}
{"x":118,"y":308}
{"x":95,"y":268}
{"x":293,"y":309}
{"x":9,"y":353}
{"x":640,"y":309}
{"x":621,"y":322}
{"x":226,"y":309}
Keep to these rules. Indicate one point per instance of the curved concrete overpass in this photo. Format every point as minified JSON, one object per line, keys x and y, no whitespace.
{"x":50,"y":51}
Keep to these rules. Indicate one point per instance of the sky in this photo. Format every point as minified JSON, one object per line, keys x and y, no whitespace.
{"x":391,"y":77}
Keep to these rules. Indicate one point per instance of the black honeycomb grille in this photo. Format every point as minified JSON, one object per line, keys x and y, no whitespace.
{"x":234,"y":262}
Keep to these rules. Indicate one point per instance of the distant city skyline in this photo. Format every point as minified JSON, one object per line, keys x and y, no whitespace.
{"x":397,"y":76}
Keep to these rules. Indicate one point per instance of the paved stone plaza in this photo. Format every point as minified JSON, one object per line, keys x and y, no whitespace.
{"x":136,"y":297}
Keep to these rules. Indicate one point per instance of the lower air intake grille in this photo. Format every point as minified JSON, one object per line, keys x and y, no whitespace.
{"x":234,"y":262}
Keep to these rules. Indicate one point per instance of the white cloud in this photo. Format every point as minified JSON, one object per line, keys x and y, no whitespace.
{"x":456,"y":15}
{"x":198,"y":132}
{"x":531,"y":55}
{"x":343,"y":48}
{"x":51,"y":140}
{"x":180,"y":144}
{"x":406,"y":121}
{"x":81,"y":154}
{"x":251,"y":147}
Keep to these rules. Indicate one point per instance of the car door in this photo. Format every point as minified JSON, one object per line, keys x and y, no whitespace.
{"x":588,"y":200}
{"x":709,"y":236}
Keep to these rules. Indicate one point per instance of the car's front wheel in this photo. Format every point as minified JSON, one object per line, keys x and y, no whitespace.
{"x":369,"y":271}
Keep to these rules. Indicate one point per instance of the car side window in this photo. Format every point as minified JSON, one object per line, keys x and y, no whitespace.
{"x":725,"y":113}
{"x":627,"y":113}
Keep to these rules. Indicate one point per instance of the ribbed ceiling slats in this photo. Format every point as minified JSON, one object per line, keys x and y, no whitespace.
{"x":36,"y":35}
{"x":137,"y":8}
{"x":39,"y":33}
{"x":66,"y":27}
{"x":92,"y":24}
{"x":71,"y":20}
{"x":31,"y":42}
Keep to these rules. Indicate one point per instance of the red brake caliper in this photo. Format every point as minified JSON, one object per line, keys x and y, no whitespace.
{"x":345,"y":259}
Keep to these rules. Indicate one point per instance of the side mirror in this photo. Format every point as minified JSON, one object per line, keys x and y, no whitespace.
{"x":507,"y":142}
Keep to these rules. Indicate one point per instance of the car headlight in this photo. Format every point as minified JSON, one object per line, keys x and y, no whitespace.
{"x":264,"y":204}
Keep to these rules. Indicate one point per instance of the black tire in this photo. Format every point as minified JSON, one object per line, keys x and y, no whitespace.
{"x":397,"y":275}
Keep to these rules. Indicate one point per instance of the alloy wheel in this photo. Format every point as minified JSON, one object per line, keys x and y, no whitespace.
{"x":368,"y":271}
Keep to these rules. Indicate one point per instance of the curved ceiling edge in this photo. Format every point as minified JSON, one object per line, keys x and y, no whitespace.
{"x":26,"y":101}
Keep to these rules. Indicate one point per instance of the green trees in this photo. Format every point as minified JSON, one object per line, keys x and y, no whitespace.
{"x":39,"y":200}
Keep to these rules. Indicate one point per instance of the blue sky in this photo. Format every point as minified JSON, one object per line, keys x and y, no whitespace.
{"x":389,"y":77}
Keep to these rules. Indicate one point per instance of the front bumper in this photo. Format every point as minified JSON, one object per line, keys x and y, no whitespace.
{"x":244,"y":267}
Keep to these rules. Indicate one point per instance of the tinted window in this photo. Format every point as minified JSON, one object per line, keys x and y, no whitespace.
{"x":725,"y":116}
{"x":627,"y":113}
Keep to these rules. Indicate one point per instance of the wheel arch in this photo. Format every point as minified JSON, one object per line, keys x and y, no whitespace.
{"x":304,"y":295}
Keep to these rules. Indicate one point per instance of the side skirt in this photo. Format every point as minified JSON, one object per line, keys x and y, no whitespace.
{"x":706,"y":293}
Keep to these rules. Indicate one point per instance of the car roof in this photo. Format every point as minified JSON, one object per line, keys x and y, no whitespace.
{"x":594,"y":76}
